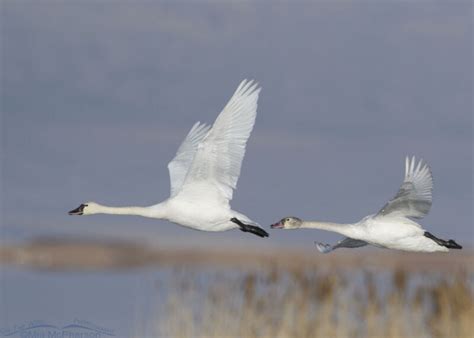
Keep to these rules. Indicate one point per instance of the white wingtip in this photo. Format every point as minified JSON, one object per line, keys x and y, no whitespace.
{"x":412,"y":167}
{"x":247,"y":87}
{"x":407,"y":164}
{"x":420,"y":162}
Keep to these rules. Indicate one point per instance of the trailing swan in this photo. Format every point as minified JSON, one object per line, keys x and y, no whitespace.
{"x":204,"y":172}
{"x":391,"y":227}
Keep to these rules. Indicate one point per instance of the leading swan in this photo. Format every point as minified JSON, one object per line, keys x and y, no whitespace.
{"x":390,"y":227}
{"x":204,"y":172}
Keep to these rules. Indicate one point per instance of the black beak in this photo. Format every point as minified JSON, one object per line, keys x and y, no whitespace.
{"x":78,"y":211}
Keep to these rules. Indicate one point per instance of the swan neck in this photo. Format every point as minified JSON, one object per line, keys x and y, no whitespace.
{"x":129,"y":210}
{"x":344,"y":229}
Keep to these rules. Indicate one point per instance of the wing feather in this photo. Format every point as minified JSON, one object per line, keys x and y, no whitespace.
{"x":218,"y":160}
{"x":414,"y":198}
{"x":179,"y":165}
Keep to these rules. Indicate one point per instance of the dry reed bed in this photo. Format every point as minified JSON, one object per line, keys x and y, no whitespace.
{"x":284,"y":293}
{"x":280,"y":302}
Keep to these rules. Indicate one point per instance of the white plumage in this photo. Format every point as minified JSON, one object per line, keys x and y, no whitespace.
{"x":391,"y":227}
{"x":217,"y":162}
{"x":180,"y":164}
{"x":414,"y":196}
{"x":204,"y":172}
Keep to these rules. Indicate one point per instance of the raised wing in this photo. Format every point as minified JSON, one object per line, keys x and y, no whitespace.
{"x":344,"y":243}
{"x":179,"y":166}
{"x":216,"y":166}
{"x":414,"y":196}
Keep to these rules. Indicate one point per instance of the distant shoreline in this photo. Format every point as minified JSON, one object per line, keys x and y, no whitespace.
{"x":73,"y":254}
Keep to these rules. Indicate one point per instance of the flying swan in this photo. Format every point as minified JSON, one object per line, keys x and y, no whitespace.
{"x":204,"y":172}
{"x":391,"y":227}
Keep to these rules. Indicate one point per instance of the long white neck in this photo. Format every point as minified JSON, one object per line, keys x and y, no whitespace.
{"x":154,"y":211}
{"x":344,"y":229}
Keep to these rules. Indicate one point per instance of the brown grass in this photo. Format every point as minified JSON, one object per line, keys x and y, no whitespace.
{"x":276,"y":302}
{"x":284,"y":293}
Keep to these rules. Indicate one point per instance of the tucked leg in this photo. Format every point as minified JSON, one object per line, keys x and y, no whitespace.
{"x":450,"y":244}
{"x":249,"y":228}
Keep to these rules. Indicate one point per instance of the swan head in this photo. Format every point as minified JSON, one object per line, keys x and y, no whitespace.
{"x":288,"y":223}
{"x":88,"y":208}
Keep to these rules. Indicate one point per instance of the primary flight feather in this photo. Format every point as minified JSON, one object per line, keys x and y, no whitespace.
{"x":204,"y":172}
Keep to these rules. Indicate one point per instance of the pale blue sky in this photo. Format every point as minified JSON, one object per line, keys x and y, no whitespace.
{"x":96,"y":97}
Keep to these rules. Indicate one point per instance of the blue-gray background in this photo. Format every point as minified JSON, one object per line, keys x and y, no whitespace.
{"x":96,"y":97}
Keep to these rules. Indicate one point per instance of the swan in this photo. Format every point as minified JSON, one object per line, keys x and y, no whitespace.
{"x":204,"y":172}
{"x":391,"y":227}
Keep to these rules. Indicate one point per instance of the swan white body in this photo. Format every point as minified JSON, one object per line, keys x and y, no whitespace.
{"x":204,"y":172}
{"x":391,"y":227}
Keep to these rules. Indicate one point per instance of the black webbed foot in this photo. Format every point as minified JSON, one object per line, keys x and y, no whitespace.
{"x":448,"y":244}
{"x":453,"y":245}
{"x":250,"y":228}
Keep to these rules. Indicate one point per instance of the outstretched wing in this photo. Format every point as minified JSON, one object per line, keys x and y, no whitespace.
{"x":178,"y":167}
{"x":414,"y":196}
{"x":344,"y":243}
{"x":216,"y":166}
